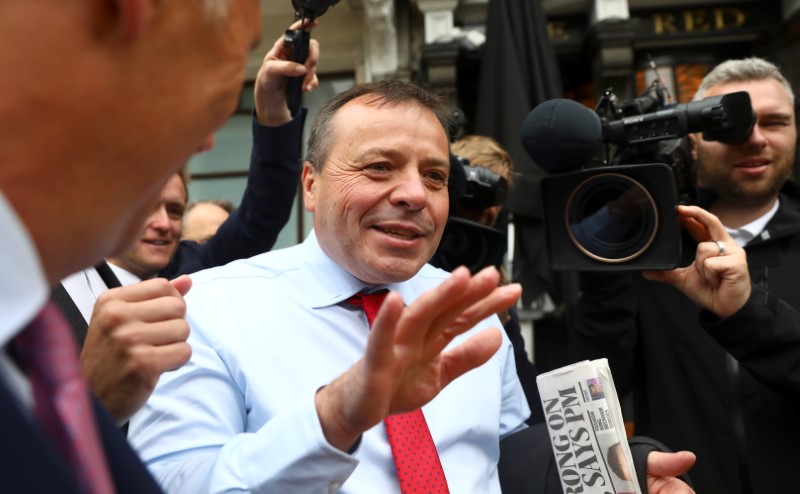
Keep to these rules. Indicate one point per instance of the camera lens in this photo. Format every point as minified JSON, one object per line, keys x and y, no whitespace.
{"x":611,"y":218}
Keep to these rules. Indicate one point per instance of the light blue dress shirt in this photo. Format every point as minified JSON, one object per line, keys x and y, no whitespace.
{"x":266,"y":334}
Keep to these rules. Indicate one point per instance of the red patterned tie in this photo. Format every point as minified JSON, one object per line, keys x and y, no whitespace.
{"x":48,"y":353}
{"x":418,"y":467}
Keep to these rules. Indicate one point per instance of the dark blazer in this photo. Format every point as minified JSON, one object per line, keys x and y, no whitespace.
{"x":266,"y":205}
{"x":29,"y":465}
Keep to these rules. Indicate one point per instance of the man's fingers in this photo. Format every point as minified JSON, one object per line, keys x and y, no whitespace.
{"x":437,"y":309}
{"x":716,"y":230}
{"x":310,"y":81}
{"x":169,"y":357}
{"x":163,"y":308}
{"x":155,"y":334}
{"x":380,"y":344}
{"x":696,"y":229}
{"x":306,"y":24}
{"x":661,"y":464}
{"x":474,"y":352}
{"x":278,"y":69}
{"x":182,"y":284}
{"x":145,"y":290}
{"x":500,"y":298}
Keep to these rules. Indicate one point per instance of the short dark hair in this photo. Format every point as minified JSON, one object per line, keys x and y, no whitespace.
{"x":385,"y":92}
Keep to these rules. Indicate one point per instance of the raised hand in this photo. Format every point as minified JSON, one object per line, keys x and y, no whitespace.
{"x":270,"y":86}
{"x":405,"y":365}
{"x":136,"y":333}
{"x":718,"y":279}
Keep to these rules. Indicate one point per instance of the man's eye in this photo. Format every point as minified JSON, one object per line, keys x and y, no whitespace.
{"x":437,"y":176}
{"x":378,"y":167}
{"x":436,"y":180}
{"x":175,"y":212}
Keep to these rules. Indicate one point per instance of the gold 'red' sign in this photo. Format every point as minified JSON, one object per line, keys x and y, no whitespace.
{"x":698,"y":20}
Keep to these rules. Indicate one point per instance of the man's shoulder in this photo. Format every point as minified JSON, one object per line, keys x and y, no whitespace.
{"x":268,"y":265}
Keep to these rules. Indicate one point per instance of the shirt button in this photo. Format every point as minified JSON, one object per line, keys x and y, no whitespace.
{"x":334,"y":487}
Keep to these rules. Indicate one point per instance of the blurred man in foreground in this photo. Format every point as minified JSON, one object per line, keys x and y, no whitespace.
{"x":140,"y":87}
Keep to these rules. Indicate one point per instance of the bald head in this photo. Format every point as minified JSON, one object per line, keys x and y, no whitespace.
{"x":202,"y":221}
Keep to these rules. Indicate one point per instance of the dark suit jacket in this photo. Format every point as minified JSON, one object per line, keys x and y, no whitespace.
{"x":29,"y":465}
{"x":266,"y":205}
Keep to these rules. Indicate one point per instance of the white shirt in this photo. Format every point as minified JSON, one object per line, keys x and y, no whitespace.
{"x":748,"y":232}
{"x":85,"y":286}
{"x":23,"y":291}
{"x":266,"y":334}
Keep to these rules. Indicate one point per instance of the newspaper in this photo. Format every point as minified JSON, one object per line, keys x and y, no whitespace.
{"x":587,"y":434}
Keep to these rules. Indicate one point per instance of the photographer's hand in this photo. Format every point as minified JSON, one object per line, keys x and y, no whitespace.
{"x":718,"y":279}
{"x":276,"y":69}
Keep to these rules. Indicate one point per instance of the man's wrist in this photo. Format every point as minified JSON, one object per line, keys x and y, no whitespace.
{"x":273,"y":114}
{"x":335,"y":431}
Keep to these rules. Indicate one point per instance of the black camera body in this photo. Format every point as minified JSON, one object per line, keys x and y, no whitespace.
{"x":466,"y":242}
{"x":621,"y":215}
{"x":483,"y":188}
{"x":311,"y":9}
{"x":612,"y":218}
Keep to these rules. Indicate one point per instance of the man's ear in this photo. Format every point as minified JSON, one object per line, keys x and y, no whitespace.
{"x":308,"y":179}
{"x":131,"y":16}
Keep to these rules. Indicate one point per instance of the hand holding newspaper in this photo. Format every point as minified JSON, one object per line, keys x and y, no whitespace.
{"x":584,"y":418}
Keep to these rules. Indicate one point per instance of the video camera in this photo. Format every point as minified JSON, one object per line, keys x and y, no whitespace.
{"x":297,"y":43}
{"x":617,"y":211}
{"x":466,"y":242}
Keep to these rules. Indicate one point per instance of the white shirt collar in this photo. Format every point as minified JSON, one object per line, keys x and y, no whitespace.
{"x":327,"y":283}
{"x":23,"y":285}
{"x":124,"y":276}
{"x":748,"y":232}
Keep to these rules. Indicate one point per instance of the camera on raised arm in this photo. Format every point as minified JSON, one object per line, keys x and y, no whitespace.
{"x":297,"y":42}
{"x":616,"y":174}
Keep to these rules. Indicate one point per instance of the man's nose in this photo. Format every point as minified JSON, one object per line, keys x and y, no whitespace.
{"x":756,"y":138}
{"x":410,"y":191}
{"x":159,"y":220}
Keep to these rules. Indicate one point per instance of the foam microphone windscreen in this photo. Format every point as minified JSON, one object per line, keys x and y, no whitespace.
{"x":561,"y":135}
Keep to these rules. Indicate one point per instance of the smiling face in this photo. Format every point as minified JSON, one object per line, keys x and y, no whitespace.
{"x":749,"y":174}
{"x":162,"y":232}
{"x":380,"y":199}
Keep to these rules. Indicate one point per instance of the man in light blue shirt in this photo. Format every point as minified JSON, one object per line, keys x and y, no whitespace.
{"x":287,"y":385}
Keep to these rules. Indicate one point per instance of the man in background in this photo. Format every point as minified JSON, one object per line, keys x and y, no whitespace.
{"x":202,"y":219}
{"x":718,"y":383}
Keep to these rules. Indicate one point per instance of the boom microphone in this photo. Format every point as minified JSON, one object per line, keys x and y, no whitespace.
{"x":561,"y":135}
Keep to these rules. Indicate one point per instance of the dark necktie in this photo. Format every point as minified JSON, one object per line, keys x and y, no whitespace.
{"x":47,"y":352}
{"x":415,"y":457}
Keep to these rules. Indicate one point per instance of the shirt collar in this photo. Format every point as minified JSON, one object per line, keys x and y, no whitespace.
{"x":23,"y":285}
{"x":124,"y":276}
{"x":747,"y":232}
{"x":327,"y":283}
